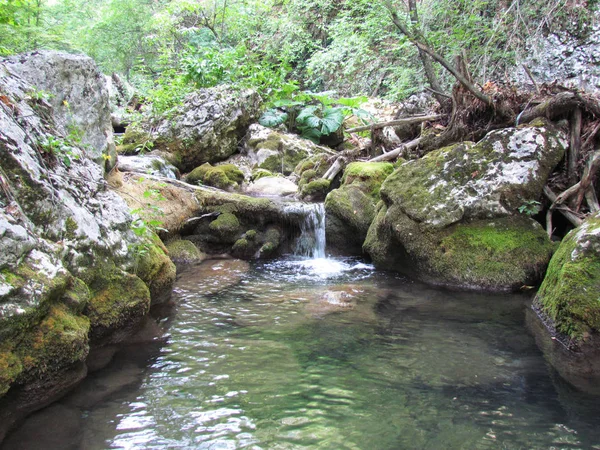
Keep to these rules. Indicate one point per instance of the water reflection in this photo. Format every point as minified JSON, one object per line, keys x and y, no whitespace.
{"x":292,"y":354}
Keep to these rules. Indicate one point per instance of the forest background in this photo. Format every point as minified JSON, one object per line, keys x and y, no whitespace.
{"x":352,"y":47}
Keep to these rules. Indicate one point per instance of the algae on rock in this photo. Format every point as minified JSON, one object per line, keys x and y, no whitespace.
{"x":351,"y":208}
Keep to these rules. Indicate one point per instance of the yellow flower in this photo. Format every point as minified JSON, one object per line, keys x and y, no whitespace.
{"x":66,"y":103}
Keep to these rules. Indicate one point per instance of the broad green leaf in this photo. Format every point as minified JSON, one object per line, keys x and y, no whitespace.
{"x":352,"y":102}
{"x":272,"y":118}
{"x":332,"y":120}
{"x":306,"y":112}
{"x":312,"y":134}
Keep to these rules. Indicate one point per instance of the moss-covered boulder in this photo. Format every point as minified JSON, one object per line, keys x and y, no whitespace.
{"x":155,"y":269}
{"x":226,"y":176}
{"x":470,"y":193}
{"x":183,"y":251}
{"x":570,"y":293}
{"x":476,"y":181}
{"x":350,"y":209}
{"x":280,"y":152}
{"x":565,"y":317}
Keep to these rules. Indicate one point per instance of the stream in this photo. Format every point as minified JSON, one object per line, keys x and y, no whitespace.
{"x":309,"y":352}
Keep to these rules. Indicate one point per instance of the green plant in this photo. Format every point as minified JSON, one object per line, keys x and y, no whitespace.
{"x":59,"y":148}
{"x":530,"y":207}
{"x":313,"y":121}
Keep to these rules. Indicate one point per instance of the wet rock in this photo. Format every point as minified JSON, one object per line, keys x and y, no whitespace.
{"x":351,"y":208}
{"x":57,"y":426}
{"x":182,"y":251}
{"x":451,"y":218}
{"x":567,"y":303}
{"x":71,"y":251}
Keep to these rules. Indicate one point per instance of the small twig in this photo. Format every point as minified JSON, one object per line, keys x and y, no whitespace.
{"x":528,"y":72}
{"x":437,"y":92}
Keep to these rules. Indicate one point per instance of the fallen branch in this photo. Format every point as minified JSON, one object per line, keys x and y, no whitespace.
{"x":392,"y":123}
{"x":586,"y":179}
{"x":574,"y":146}
{"x":203,"y":216}
{"x":569,"y":215}
{"x":561,"y":103}
{"x":335,"y":168}
{"x":393,"y":154}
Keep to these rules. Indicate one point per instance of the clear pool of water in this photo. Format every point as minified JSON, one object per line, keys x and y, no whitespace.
{"x":323,"y":354}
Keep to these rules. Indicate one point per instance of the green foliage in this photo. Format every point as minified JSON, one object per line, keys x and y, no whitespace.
{"x":61,"y":149}
{"x":530,"y":207}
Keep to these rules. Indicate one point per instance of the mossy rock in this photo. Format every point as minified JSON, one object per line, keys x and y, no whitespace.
{"x":491,"y":255}
{"x":184,"y":251}
{"x":118,"y":302}
{"x":570,"y":292}
{"x":226,"y":227}
{"x":315,"y":190}
{"x":156,"y":270}
{"x":134,"y":140}
{"x":45,"y":350}
{"x":257,"y":174}
{"x":351,"y":208}
{"x":469,"y":181}
{"x":226,"y":176}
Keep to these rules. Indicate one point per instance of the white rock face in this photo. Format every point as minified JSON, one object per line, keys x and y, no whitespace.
{"x":272,"y":187}
{"x":58,"y":209}
{"x":149,"y":164}
{"x":572,"y":60}
{"x":77,"y":91}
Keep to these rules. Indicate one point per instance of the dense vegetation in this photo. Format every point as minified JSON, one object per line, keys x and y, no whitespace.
{"x":168,"y":47}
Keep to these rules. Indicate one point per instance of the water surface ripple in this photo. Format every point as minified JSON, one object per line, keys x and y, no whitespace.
{"x":323,"y":354}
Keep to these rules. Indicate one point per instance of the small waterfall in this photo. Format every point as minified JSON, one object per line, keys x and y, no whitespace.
{"x":311,"y":242}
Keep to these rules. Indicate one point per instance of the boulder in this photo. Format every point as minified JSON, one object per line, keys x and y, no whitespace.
{"x":225,"y":176}
{"x":148,"y":164}
{"x":208,"y":127}
{"x":76,"y":89}
{"x":280,"y":152}
{"x":269,"y":186}
{"x":568,"y":304}
{"x":451,"y":218}
{"x":74,"y":272}
{"x":351,"y":208}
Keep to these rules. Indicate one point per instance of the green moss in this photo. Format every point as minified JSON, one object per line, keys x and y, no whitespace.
{"x":226,"y":227}
{"x":260,"y":173}
{"x":250,"y":235}
{"x":156,"y":269}
{"x":232,"y":172}
{"x":272,"y":143}
{"x":10,"y":367}
{"x":70,"y":228}
{"x":184,"y":251}
{"x":60,"y":340}
{"x":570,"y":293}
{"x":118,"y":300}
{"x":198,"y":174}
{"x":316,"y":188}
{"x":284,"y":162}
{"x":222,"y":177}
{"x":77,"y":296}
{"x":368,"y":175}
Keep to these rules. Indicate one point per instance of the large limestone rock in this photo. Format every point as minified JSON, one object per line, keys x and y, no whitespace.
{"x":76,"y":89}
{"x":279,"y":152}
{"x":72,"y":271}
{"x":208,"y":127}
{"x":451,"y":217}
{"x":351,"y":208}
{"x":568,"y":304}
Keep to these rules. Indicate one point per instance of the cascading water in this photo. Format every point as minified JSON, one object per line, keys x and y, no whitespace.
{"x":311,"y":242}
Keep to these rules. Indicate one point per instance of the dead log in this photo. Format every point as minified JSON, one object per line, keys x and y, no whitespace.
{"x":574,"y":146}
{"x":391,"y":123}
{"x":335,"y":168}
{"x":393,"y":154}
{"x":570,"y":215}
{"x":553,"y":107}
{"x":587,"y":178}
